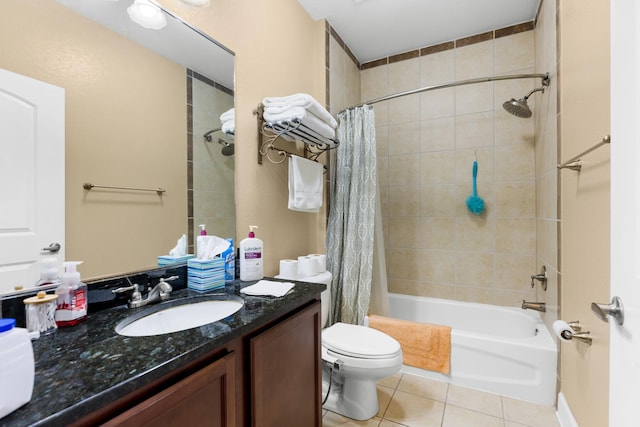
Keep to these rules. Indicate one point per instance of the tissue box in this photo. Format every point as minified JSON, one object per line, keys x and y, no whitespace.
{"x":168,"y":259}
{"x":205,"y":274}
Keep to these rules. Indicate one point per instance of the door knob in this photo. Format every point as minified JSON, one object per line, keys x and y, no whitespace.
{"x":53,"y":248}
{"x":615,"y":310}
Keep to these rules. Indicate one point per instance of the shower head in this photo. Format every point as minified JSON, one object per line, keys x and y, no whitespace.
{"x":228,"y":149}
{"x":519,"y":107}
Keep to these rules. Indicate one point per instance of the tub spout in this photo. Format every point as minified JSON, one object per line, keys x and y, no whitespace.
{"x":538,"y":306}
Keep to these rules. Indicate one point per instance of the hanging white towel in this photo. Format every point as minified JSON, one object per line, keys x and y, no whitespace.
{"x":306,"y":101}
{"x":305,"y":184}
{"x":308,"y":119}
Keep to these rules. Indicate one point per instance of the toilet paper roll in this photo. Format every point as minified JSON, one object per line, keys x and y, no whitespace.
{"x":307,"y":266}
{"x":321,"y":261}
{"x":563,"y":330}
{"x":288,"y":269}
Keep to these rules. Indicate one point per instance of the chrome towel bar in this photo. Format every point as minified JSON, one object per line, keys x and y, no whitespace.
{"x":575,"y":162}
{"x":89,"y":186}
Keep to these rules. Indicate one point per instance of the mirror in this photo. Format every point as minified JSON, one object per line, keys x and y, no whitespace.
{"x":131,"y":137}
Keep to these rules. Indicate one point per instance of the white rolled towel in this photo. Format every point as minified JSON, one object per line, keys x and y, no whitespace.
{"x":228,"y":115}
{"x":229,"y":127}
{"x":277,"y":105}
{"x":307,"y":118}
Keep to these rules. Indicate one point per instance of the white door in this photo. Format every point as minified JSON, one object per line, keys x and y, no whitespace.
{"x":624,"y":393}
{"x":31,"y":177}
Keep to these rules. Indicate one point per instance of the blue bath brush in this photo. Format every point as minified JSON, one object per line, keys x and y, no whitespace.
{"x":475,"y":203}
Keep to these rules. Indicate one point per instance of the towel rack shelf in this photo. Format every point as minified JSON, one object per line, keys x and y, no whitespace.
{"x":291,"y":131}
{"x":575,"y":163}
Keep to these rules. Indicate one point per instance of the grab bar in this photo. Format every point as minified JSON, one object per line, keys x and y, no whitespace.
{"x":575,"y":163}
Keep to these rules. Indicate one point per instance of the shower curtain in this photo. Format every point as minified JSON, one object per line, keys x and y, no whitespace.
{"x":351,"y":227}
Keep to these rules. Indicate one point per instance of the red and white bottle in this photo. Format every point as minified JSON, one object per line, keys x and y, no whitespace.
{"x":72,"y":297}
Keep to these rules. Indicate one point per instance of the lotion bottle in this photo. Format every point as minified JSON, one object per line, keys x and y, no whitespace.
{"x":72,"y":297}
{"x":251,"y":257}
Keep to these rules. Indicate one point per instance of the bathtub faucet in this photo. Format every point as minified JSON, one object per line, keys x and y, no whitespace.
{"x":538,"y":306}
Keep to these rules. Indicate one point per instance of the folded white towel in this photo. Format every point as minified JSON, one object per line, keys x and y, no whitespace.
{"x":228,"y":115}
{"x":305,"y":184}
{"x":310,"y":120}
{"x":280,"y":104}
{"x":268,"y":288}
{"x":229,"y":127}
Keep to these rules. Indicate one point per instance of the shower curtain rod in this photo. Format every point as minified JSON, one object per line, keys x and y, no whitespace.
{"x":544,"y":77}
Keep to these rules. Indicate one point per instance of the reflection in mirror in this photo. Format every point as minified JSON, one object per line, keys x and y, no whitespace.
{"x":129,"y":123}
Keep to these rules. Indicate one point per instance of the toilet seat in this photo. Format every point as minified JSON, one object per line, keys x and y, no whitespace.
{"x":359,"y":342}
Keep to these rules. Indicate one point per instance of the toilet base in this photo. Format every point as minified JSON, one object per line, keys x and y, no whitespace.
{"x":353,"y":398}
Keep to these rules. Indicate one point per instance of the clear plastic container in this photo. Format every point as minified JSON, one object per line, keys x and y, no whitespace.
{"x":40,"y":311}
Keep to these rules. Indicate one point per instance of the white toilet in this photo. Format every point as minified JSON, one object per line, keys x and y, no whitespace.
{"x":354,"y":358}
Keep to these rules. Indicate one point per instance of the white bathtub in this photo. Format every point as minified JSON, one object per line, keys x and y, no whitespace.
{"x":502,"y":350}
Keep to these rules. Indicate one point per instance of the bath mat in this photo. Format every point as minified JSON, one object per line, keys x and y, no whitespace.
{"x":423,"y":345}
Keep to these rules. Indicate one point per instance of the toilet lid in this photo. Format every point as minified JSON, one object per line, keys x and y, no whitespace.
{"x":359,"y":341}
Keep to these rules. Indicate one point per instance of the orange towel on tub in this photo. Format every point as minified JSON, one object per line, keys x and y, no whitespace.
{"x":423,"y":345}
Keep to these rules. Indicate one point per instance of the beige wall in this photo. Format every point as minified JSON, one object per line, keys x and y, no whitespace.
{"x":584,"y":255}
{"x":426,"y":143}
{"x":105,"y":143}
{"x":279,"y":51}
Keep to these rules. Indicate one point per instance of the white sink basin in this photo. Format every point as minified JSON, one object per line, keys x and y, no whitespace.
{"x":190,"y":313}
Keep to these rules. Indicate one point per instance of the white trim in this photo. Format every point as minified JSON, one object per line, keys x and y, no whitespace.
{"x":564,"y":414}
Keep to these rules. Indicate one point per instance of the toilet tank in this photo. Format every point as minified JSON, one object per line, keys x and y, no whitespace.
{"x":325,"y":296}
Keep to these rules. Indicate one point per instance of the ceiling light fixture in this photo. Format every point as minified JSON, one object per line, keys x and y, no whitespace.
{"x":147,"y":15}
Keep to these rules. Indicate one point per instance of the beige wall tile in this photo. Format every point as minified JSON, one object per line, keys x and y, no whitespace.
{"x":405,"y":109}
{"x":437,"y":266}
{"x":374,"y":82}
{"x":513,"y":271}
{"x":437,"y":167}
{"x":437,"y":68}
{"x":474,"y":98}
{"x":515,"y":52}
{"x":404,"y":75}
{"x":475,"y":294}
{"x":515,"y":162}
{"x":403,"y":263}
{"x":405,"y":138}
{"x":439,"y":200}
{"x":437,"y":103}
{"x":438,"y":233}
{"x":404,"y":170}
{"x":404,"y":200}
{"x":475,"y":60}
{"x":475,"y":269}
{"x":475,"y":130}
{"x":516,"y":235}
{"x":437,"y":134}
{"x":515,"y":199}
{"x":403,"y":232}
{"x":475,"y":233}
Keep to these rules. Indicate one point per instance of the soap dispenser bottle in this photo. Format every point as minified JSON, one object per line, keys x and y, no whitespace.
{"x":49,"y":272}
{"x":72,"y":297}
{"x":251,"y":257}
{"x":200,"y":242}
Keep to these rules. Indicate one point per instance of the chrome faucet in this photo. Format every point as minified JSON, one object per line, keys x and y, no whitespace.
{"x":160,"y":292}
{"x":537,"y":306}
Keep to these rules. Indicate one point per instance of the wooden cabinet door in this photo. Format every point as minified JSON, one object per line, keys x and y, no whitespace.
{"x":286,"y":374}
{"x":205,"y":398}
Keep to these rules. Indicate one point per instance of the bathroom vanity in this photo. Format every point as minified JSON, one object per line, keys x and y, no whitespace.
{"x":259,"y":366}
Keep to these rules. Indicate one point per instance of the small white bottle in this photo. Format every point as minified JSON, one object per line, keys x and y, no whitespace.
{"x":200,"y":242}
{"x":251,"y":257}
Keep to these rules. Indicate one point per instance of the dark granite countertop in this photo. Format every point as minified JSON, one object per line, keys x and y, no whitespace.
{"x":85,"y":367}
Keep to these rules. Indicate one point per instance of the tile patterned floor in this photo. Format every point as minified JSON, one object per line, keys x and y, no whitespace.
{"x":411,"y":401}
